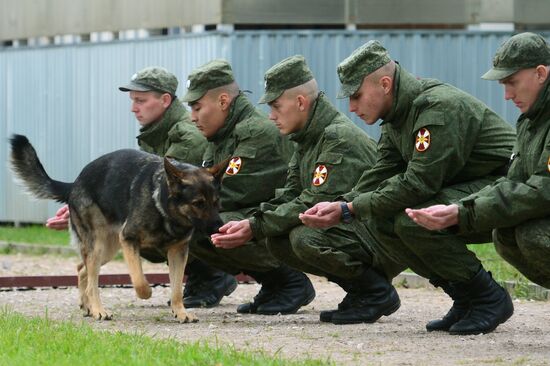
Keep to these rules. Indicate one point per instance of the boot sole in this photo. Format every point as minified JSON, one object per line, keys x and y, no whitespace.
{"x":387,"y":312}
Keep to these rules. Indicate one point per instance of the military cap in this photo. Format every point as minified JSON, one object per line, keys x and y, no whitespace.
{"x":152,"y":79}
{"x":522,"y":51}
{"x":286,"y":74}
{"x":366,"y":59}
{"x":209,"y":76}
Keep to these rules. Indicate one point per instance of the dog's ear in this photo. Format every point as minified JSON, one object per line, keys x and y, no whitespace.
{"x":174,"y":176}
{"x":218,"y":170}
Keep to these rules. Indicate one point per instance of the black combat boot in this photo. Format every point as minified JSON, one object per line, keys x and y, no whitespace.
{"x":326,"y":315}
{"x":284,"y":291}
{"x":461,"y":305}
{"x":266,"y":293}
{"x":206,"y":286}
{"x":490,"y":305}
{"x":374,"y":296}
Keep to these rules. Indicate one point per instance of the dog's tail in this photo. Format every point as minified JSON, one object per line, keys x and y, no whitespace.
{"x":29,"y":170}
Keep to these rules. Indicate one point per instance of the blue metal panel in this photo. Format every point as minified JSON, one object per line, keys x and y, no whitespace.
{"x":66,"y":98}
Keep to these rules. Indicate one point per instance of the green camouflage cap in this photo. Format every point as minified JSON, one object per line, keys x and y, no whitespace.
{"x":366,"y":59}
{"x":152,"y":79}
{"x":522,"y":51}
{"x":209,"y":76}
{"x":288,"y":73}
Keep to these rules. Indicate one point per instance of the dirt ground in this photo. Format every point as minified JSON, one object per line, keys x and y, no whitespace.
{"x":399,"y":339}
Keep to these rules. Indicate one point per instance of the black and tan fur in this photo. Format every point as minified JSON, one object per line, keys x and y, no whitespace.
{"x":128,"y":200}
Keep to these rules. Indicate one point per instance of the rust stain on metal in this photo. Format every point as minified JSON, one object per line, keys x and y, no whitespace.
{"x":104,"y":280}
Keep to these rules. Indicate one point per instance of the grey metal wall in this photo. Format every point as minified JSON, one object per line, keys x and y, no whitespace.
{"x":65,"y":99}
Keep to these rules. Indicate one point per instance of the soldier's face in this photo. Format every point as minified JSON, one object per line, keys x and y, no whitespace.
{"x":524,"y":86}
{"x":287,"y":113}
{"x":148,"y":107}
{"x":208,"y":115}
{"x":373,"y":100}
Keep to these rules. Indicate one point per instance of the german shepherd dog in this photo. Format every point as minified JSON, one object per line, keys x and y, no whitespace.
{"x":133,"y":200}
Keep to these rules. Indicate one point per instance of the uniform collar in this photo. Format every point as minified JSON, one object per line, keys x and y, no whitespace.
{"x":320,"y":116}
{"x":406,"y":88}
{"x":239,"y":109}
{"x":540,"y":109}
{"x":157,"y":132}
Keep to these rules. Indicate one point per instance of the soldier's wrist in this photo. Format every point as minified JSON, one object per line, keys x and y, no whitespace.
{"x":346,"y":216}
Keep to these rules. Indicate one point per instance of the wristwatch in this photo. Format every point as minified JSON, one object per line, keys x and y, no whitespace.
{"x":347,"y":216}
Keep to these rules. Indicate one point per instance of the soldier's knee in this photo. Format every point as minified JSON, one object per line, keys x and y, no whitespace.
{"x":505,"y":237}
{"x":533,"y":235}
{"x":303,"y":241}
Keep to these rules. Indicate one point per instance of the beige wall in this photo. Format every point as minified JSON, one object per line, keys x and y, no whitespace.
{"x":21,"y":19}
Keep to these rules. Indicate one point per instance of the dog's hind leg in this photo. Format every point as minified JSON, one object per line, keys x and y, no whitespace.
{"x":133,"y":261}
{"x":93,"y":263}
{"x":177,"y":258}
{"x":84,"y":303}
{"x":109,"y":251}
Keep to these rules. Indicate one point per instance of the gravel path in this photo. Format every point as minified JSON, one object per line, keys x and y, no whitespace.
{"x":396,"y":340}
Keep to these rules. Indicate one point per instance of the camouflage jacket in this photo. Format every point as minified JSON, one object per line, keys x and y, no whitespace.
{"x":174,"y":135}
{"x":435,"y":136}
{"x":259,"y":157}
{"x":525,"y":192}
{"x":330,"y":156}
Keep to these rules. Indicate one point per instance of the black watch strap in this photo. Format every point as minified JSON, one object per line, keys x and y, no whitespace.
{"x":347,"y":216}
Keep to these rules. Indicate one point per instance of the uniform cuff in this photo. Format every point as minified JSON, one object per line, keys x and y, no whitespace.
{"x":256,"y":227}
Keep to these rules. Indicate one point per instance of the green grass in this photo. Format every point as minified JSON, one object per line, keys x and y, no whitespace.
{"x":40,"y":341}
{"x":34,"y":234}
{"x":500,"y":269}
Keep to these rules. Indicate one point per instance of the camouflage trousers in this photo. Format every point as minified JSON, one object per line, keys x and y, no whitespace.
{"x":527,"y":247}
{"x":342,"y":251}
{"x":431,"y":254}
{"x":251,"y":257}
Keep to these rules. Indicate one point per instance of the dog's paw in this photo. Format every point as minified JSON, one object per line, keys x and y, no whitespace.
{"x":184,"y":317}
{"x":102,"y":315}
{"x":85,"y":310}
{"x":144,"y":292}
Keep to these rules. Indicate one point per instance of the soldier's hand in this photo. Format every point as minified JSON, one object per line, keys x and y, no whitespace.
{"x":232,"y":235}
{"x":437,"y":217}
{"x":322,"y":215}
{"x":61,"y":219}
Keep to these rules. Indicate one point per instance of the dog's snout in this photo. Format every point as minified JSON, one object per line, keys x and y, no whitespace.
{"x":214,"y":226}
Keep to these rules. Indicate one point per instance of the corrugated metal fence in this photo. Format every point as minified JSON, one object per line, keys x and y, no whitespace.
{"x":66,"y":100}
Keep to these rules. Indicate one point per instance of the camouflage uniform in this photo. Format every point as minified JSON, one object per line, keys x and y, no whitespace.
{"x":331,"y":153}
{"x":428,"y":155}
{"x":518,"y":205}
{"x":438,"y":144}
{"x":258,"y":164}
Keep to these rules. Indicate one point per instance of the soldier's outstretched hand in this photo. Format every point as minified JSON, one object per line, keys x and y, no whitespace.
{"x":61,"y":219}
{"x":233,"y":234}
{"x":437,"y":217}
{"x":322,"y":215}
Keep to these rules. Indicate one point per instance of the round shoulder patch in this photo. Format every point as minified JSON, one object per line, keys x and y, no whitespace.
{"x":548,"y":164}
{"x":423,"y":140}
{"x":188,"y":83}
{"x":234,"y":166}
{"x":320,"y":175}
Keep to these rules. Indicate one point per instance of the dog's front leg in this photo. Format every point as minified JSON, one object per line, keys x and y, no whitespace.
{"x":130,"y":252}
{"x":177,"y":258}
